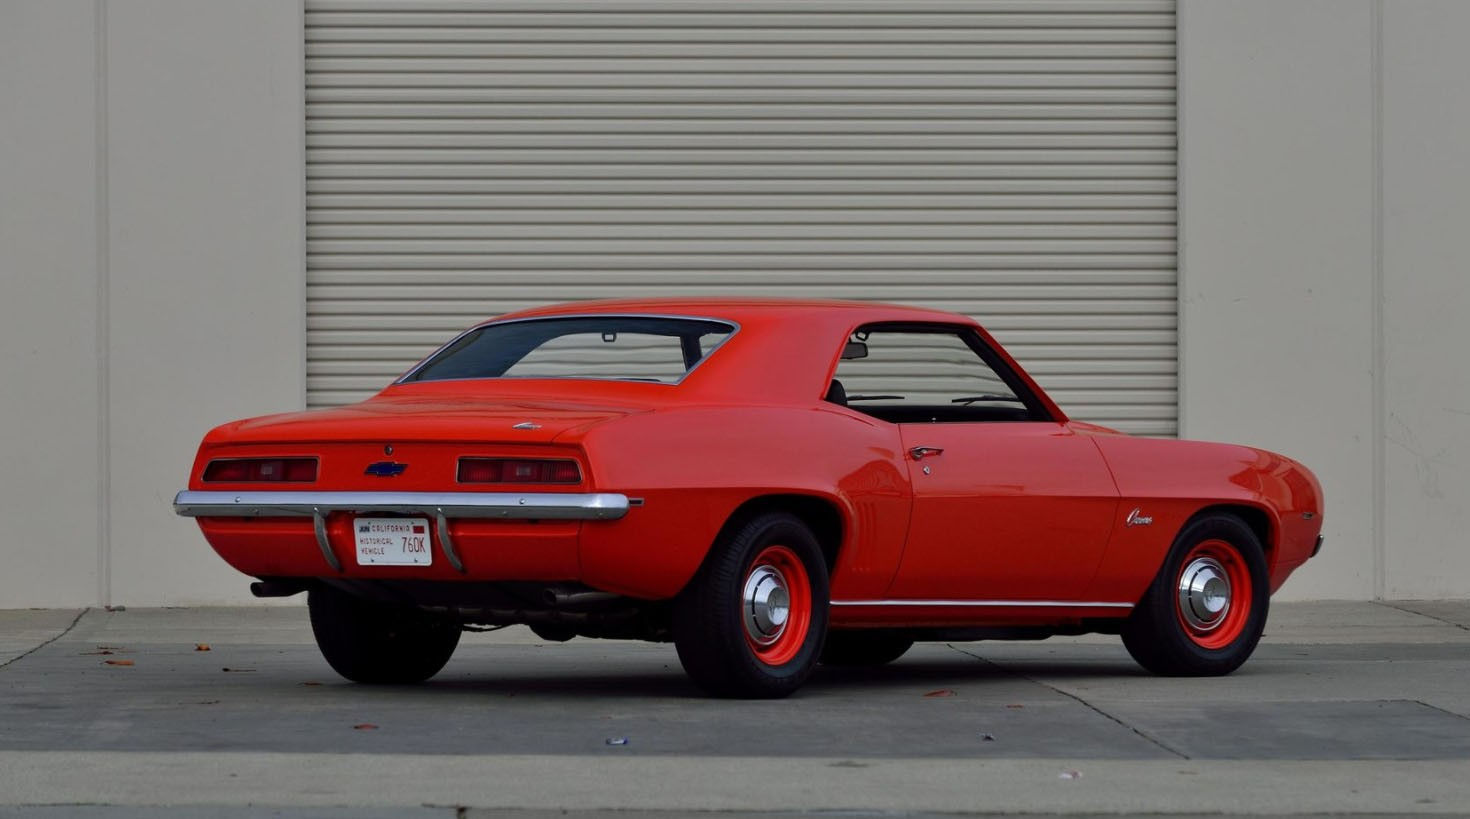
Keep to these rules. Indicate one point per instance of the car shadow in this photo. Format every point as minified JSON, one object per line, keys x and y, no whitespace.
{"x":967,"y":670}
{"x":924,"y":675}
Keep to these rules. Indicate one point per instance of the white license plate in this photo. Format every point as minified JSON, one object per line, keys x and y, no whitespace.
{"x":393,"y":541}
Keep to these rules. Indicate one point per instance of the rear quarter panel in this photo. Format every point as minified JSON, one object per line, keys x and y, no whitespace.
{"x":694,"y":467}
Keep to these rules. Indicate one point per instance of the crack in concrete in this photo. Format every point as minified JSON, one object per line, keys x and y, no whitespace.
{"x":1389,"y":605}
{"x":1069,"y":695}
{"x":17,"y":658}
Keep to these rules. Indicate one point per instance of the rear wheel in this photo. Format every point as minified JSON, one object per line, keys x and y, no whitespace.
{"x":1206,"y":609}
{"x":752,"y":621}
{"x":869,"y":647}
{"x":370,"y":642}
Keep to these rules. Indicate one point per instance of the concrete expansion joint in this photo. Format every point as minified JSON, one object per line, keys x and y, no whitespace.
{"x":1388,"y":605}
{"x":1069,"y":695}
{"x":73,"y":624}
{"x":1441,"y":709}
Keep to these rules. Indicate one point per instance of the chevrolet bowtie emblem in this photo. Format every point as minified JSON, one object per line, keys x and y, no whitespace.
{"x":385,"y":469}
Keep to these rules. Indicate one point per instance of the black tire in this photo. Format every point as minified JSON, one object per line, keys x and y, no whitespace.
{"x":716,"y":649}
{"x":1159,"y":633}
{"x":864,"y":647}
{"x":376,"y":643}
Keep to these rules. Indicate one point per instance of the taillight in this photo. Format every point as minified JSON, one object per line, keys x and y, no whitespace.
{"x":518,"y":470}
{"x":261,"y":470}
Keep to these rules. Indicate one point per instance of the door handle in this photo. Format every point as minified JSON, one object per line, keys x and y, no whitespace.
{"x":919,"y":453}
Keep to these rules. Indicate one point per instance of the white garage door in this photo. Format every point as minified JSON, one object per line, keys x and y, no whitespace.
{"x":1014,"y":161}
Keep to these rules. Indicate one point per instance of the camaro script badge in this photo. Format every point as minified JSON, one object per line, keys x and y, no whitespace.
{"x":1135,"y":519}
{"x":385,"y":469}
{"x":527,"y":425}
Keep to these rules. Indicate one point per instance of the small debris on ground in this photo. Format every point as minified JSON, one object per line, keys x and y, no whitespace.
{"x":89,"y":653}
{"x":987,"y":737}
{"x":364,"y":726}
{"x":1015,"y":705}
{"x":617,"y":740}
{"x":311,"y":682}
{"x":237,"y":670}
{"x":201,"y":647}
{"x":1069,"y":775}
{"x":116,"y":608}
{"x":942,"y":692}
{"x":118,"y":662}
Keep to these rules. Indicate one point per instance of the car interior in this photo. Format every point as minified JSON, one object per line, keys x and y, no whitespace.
{"x":914,"y":374}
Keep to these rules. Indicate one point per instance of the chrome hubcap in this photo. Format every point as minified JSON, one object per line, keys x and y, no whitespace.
{"x":767,"y":604}
{"x":1204,"y":593}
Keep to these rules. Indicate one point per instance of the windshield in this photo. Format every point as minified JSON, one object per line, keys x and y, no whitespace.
{"x":630,"y":348}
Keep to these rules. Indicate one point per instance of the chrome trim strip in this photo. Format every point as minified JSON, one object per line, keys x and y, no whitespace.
{"x":498,"y":505}
{"x":733,"y":325}
{"x":319,"y":525}
{"x":1000,"y":604}
{"x":441,"y":523}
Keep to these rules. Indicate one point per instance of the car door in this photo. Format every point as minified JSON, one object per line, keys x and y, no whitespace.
{"x":1008,"y":503}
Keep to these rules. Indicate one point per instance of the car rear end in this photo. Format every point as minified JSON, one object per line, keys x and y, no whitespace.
{"x":400,"y":489}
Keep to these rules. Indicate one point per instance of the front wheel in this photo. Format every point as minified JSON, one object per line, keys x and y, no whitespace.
{"x":369,"y":642}
{"x":1206,"y":609}
{"x":752,"y":621}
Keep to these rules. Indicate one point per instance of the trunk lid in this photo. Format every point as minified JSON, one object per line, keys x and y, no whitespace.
{"x":511,"y":420}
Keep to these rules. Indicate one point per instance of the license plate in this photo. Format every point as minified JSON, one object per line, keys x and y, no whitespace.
{"x":393,"y":541}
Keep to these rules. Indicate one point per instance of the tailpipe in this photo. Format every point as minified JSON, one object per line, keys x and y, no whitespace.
{"x":564,"y":598}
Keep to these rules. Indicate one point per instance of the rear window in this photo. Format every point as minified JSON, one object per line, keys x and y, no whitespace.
{"x":627,"y":348}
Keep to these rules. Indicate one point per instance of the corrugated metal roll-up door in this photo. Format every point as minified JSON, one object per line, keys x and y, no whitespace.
{"x":1014,"y":161}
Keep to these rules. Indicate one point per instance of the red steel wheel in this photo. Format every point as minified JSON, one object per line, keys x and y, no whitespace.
{"x":752,"y":621}
{"x":776,"y":605}
{"x":1213,"y":576}
{"x":1207,"y":606}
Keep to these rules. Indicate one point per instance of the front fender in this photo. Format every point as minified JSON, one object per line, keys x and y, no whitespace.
{"x":1172,"y":481}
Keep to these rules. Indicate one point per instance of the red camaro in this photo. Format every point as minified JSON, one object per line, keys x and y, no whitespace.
{"x":768,"y":484}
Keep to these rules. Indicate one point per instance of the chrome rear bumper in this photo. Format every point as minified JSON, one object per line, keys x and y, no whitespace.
{"x":502,"y":505}
{"x":439,"y":505}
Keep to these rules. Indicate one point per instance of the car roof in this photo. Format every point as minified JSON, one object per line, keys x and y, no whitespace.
{"x":741,"y":309}
{"x":783,"y":350}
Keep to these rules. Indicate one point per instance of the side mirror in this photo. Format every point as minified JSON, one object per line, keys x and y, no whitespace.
{"x":854,"y":349}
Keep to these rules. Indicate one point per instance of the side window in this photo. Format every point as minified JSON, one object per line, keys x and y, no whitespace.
{"x":919,"y":376}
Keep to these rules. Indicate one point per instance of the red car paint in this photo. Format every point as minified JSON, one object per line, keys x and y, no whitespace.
{"x":1017,"y":523}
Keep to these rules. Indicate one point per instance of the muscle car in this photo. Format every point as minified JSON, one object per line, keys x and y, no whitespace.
{"x":768,"y":484}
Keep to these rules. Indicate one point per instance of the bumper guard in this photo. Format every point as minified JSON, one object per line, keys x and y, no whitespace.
{"x":439,"y":505}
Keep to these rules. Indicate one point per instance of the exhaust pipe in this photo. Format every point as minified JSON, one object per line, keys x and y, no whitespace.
{"x":563,"y":599}
{"x":284,"y":587}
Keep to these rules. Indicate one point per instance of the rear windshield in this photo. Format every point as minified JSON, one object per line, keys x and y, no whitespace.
{"x":628,"y":348}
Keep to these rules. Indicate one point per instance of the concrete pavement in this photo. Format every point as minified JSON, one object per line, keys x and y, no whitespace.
{"x":1346,"y":708}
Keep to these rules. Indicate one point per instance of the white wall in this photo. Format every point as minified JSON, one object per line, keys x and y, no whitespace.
{"x":1426,"y":305}
{"x":176,"y":305}
{"x":1323,"y":167}
{"x":49,"y":490}
{"x":207,"y":221}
